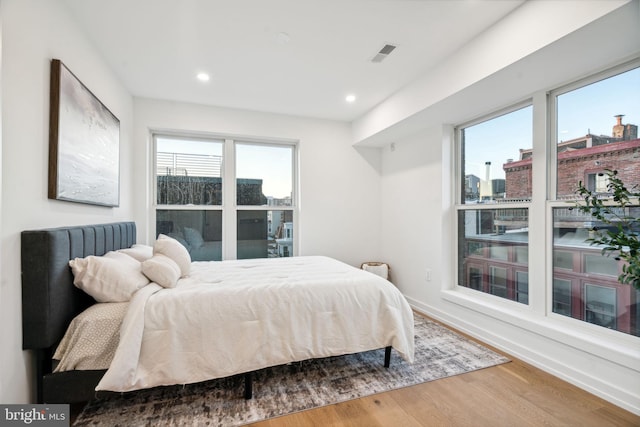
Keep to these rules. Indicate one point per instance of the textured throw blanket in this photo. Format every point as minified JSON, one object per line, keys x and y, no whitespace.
{"x":231,"y":317}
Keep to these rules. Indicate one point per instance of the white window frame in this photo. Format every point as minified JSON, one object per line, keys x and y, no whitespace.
{"x":485,"y":298}
{"x":229,"y":206}
{"x":232,"y":223}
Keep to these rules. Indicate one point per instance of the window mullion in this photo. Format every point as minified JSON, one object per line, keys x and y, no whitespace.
{"x":538,"y":229}
{"x":229,"y":211}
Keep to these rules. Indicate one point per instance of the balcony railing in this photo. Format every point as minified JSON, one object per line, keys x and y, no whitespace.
{"x":182,"y":164}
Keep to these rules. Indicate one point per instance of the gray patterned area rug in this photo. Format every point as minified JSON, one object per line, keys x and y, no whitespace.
{"x":282,"y":390}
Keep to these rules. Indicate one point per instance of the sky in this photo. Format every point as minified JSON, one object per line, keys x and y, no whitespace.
{"x":272,"y":164}
{"x":589,"y":109}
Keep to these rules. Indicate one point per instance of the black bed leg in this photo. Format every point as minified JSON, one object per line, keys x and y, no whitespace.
{"x":248,"y":392}
{"x":387,"y":356}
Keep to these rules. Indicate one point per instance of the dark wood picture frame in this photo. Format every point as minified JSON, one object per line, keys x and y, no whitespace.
{"x":84,"y":143}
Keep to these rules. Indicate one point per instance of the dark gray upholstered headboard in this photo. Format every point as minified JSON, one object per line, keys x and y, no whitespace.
{"x":49,"y":299}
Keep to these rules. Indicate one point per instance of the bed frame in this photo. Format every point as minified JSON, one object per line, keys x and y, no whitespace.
{"x":50,"y":301}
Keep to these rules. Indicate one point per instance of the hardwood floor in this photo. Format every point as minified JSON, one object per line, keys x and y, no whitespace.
{"x":514,"y":394}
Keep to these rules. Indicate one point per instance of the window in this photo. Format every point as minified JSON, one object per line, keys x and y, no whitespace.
{"x":264,"y":181}
{"x":600,"y":305}
{"x":490,"y":150}
{"x":598,"y":264}
{"x":563,"y":259}
{"x":265,"y":234}
{"x":495,"y":252}
{"x":596,"y":129}
{"x":264,"y":175}
{"x":499,"y":252}
{"x":221,"y":212}
{"x":522,"y":254}
{"x":498,"y":281}
{"x":597,"y":182}
{"x":562,"y":297}
{"x":189,"y":189}
{"x":493,"y":215}
{"x":577,"y":261}
{"x":475,"y":278}
{"x":582,"y":130}
{"x":596,"y":126}
{"x":522,"y":287}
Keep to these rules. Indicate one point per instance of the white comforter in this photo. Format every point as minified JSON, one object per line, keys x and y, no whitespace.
{"x":231,"y":317}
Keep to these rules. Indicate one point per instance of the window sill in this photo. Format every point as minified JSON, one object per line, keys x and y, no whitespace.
{"x":610,"y":345}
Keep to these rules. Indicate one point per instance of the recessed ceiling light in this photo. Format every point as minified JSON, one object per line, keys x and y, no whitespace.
{"x":203,"y":77}
{"x":350,"y":98}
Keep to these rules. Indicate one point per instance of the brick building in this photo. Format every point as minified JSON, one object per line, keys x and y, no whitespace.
{"x":581,"y":159}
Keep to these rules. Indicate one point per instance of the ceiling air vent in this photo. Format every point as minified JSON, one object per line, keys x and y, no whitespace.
{"x":383,"y":53}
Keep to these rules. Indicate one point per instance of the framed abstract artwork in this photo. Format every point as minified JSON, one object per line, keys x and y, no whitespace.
{"x":84,"y":143}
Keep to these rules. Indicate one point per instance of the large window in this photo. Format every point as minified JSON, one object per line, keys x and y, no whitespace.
{"x":493,"y":214}
{"x":189,"y":190}
{"x":583,"y":129}
{"x":238,"y":206}
{"x":585,"y":282}
{"x":264,"y":195}
{"x":596,"y":129}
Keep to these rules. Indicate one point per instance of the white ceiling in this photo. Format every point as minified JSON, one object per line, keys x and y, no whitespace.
{"x":299,"y":57}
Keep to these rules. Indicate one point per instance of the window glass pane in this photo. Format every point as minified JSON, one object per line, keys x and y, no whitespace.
{"x":200,"y":231}
{"x":265,"y":234}
{"x":494,"y":168}
{"x":598,"y":264}
{"x":522,"y":254}
{"x":522,"y":287}
{"x":491,"y":228}
{"x":562,"y":296}
{"x":498,"y":281}
{"x":600,"y":306}
{"x":563,"y":259}
{"x":264,"y":175}
{"x":189,"y":171}
{"x":597,"y":129}
{"x":475,"y":248}
{"x":603,"y":300}
{"x":499,"y":252}
{"x":475,"y":278}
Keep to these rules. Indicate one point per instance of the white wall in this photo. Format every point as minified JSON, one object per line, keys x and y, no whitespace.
{"x":411,"y":188}
{"x":418,"y":218}
{"x":339,"y":189}
{"x":34,"y":32}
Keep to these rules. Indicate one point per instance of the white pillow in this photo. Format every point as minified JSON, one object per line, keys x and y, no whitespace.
{"x":173,"y":249}
{"x":139,"y":252}
{"x":114,"y":277}
{"x":162,"y":270}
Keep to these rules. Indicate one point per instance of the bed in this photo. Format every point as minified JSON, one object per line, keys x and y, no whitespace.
{"x":302,"y":308}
